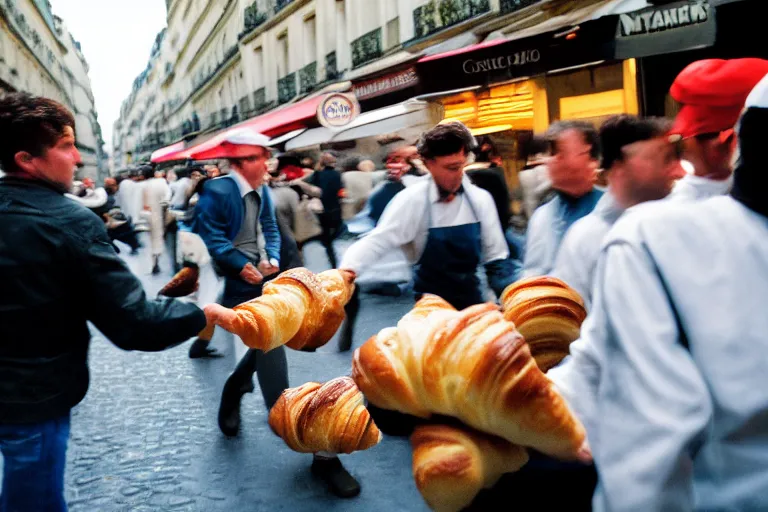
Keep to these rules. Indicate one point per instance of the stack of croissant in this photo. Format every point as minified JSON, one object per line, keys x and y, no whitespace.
{"x":298,"y":308}
{"x":472,"y":365}
{"x":548,"y":313}
{"x":328,"y":417}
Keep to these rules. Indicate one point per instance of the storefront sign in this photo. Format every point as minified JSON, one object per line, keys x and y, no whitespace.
{"x":663,"y":18}
{"x":516,"y":59}
{"x":670,"y":28}
{"x":386,"y":84}
{"x":337,"y":110}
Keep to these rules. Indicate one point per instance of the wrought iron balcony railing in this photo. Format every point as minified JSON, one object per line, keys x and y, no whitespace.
{"x":308,"y":77}
{"x":366,"y":48}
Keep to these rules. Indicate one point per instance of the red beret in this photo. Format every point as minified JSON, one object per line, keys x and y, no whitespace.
{"x":712,"y":93}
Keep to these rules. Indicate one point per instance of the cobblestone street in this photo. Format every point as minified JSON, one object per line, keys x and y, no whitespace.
{"x":146,"y":439}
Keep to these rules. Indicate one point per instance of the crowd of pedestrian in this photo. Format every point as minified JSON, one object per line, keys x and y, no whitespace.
{"x":659,"y":225}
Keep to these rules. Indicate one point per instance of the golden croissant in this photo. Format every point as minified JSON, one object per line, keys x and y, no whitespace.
{"x":183,"y":283}
{"x":472,"y":365}
{"x":330,"y":417}
{"x":298,"y":308}
{"x":452,"y":464}
{"x":548,"y":313}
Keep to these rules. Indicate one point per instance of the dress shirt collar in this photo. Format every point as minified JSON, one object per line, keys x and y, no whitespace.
{"x":242,"y":184}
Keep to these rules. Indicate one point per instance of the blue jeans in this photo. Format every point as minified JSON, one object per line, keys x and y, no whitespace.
{"x":33,"y":466}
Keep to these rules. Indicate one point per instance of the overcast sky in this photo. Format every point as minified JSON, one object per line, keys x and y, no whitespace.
{"x":116,"y":37}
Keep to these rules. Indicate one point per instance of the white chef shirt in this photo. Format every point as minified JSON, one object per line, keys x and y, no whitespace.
{"x":682,"y":428}
{"x":696,"y":188}
{"x":404,"y":224}
{"x":577,"y":258}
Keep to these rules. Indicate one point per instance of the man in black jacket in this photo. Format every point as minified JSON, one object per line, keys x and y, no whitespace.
{"x":58,"y":271}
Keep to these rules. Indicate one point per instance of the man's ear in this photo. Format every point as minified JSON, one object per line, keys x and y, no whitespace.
{"x":23,"y":161}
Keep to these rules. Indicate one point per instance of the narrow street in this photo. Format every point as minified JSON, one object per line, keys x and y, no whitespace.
{"x":146,"y":439}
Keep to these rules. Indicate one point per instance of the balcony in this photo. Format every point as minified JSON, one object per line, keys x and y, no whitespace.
{"x":308,"y":78}
{"x":440,"y":14}
{"x":366,"y":48}
{"x":331,"y":67}
{"x":279,"y":4}
{"x":254,"y":17}
{"x":202,"y":78}
{"x":508,"y":6}
{"x":286,"y":88}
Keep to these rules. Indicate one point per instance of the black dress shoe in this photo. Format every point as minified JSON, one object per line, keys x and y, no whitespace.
{"x":338,"y":479}
{"x":155,"y":269}
{"x":229,"y":409}
{"x":200,"y":349}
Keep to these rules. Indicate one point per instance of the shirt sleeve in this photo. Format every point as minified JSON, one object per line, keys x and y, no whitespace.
{"x":534,"y":261}
{"x":397,"y":227}
{"x":269,"y":226}
{"x":572,"y":266}
{"x":653,"y":405}
{"x":119,"y":307}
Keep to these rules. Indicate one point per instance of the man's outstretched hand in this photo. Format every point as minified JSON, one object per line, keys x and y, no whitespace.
{"x":251,"y":275}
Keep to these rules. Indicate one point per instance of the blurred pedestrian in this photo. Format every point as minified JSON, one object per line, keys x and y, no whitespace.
{"x":487,"y":173}
{"x":534,"y":178}
{"x":575,"y":152}
{"x":640,"y":164}
{"x":59,"y":272}
{"x":328,"y":180}
{"x":712,"y":93}
{"x":682,"y":410}
{"x":156,"y":197}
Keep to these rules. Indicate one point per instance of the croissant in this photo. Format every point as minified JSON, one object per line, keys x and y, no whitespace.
{"x":330,"y":417}
{"x":298,"y":309}
{"x":472,"y":365}
{"x":453,"y":464}
{"x":548,"y":313}
{"x":183,"y":283}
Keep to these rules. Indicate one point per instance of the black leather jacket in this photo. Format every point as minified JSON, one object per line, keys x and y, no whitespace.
{"x":58,"y":270}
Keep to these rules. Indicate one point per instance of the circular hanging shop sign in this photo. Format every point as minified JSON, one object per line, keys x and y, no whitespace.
{"x":337,"y":110}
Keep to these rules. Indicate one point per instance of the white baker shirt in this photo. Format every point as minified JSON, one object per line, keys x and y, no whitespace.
{"x":404,"y":225}
{"x":682,"y":428}
{"x":696,"y":188}
{"x":577,"y":257}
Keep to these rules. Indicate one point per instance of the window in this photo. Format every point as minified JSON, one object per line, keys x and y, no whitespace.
{"x":310,"y":40}
{"x":392,"y":31}
{"x":282,"y":55}
{"x":258,"y":66}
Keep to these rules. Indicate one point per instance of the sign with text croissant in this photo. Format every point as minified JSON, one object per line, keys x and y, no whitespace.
{"x":337,"y":110}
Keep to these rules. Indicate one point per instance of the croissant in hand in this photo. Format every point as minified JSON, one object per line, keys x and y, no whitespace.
{"x":298,"y":309}
{"x":472,"y":365}
{"x":330,"y":417}
{"x":183,"y":283}
{"x":452,"y":464}
{"x":548,"y":313}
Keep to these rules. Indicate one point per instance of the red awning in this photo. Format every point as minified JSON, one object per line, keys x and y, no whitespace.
{"x":271,"y":124}
{"x":466,"y":49}
{"x":168,"y":153}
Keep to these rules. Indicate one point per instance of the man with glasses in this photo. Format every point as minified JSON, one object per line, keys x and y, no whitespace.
{"x":712,"y":94}
{"x":573,"y":171}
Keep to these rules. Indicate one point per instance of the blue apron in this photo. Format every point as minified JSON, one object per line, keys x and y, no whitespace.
{"x":448,"y":266}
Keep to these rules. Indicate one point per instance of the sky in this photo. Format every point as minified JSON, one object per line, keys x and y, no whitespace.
{"x":116,"y":37}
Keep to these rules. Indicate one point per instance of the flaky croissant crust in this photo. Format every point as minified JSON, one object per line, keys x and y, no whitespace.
{"x":327,"y":417}
{"x":472,"y":365}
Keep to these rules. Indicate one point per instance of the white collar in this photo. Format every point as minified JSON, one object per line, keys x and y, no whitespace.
{"x":242,"y":184}
{"x":721,"y":187}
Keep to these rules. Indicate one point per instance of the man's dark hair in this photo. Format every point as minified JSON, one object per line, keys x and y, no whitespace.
{"x":445,"y":139}
{"x":182,"y":172}
{"x":147,"y":171}
{"x":30,"y":123}
{"x":536,"y":145}
{"x":623,"y":130}
{"x":587,"y":130}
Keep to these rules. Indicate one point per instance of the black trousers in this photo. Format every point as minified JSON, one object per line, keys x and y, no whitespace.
{"x":330,"y":232}
{"x":270,"y":367}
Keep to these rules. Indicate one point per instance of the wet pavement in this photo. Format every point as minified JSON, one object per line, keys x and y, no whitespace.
{"x":145,"y":438}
